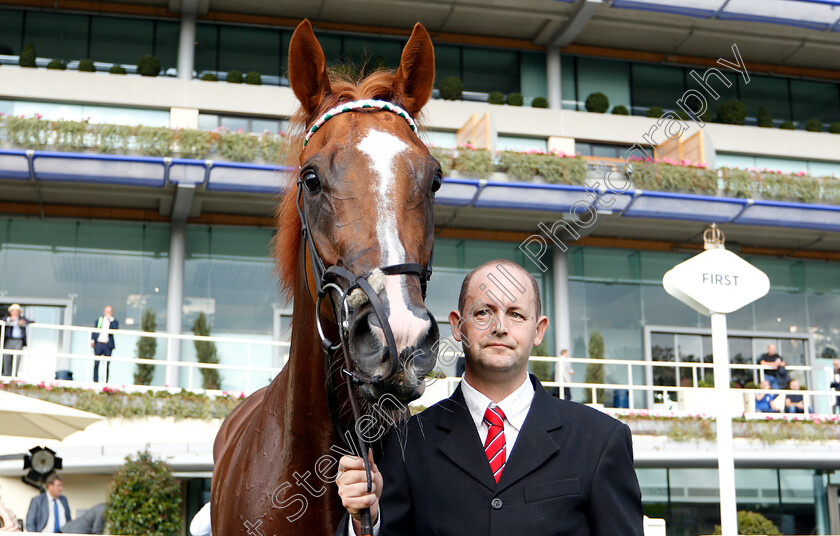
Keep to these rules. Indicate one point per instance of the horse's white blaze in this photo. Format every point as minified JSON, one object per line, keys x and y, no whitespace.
{"x":381,"y":148}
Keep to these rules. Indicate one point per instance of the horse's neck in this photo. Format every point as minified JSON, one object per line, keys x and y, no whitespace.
{"x":304,"y":387}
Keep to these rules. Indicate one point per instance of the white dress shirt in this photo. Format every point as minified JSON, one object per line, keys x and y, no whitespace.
{"x":515,"y":407}
{"x":105,"y":330}
{"x":62,"y":517}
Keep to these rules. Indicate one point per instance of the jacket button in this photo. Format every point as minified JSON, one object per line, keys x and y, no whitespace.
{"x":496,"y":503}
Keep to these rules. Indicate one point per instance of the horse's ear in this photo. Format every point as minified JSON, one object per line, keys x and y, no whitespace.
{"x":415,"y":77}
{"x":307,"y":68}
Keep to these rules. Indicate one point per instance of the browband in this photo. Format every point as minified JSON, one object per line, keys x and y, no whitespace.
{"x":357,"y":105}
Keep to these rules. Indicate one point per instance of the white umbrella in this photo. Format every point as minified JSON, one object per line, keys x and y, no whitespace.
{"x":29,"y":417}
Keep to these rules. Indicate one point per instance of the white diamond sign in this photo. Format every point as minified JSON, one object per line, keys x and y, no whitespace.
{"x":716,"y":281}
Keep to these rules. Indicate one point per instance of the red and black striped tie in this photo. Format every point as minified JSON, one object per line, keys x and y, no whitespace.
{"x":494,"y":446}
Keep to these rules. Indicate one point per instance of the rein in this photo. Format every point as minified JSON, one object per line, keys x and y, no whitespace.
{"x":328,"y":282}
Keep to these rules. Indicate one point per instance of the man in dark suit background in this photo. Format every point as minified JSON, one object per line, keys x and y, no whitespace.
{"x":102,"y":341}
{"x":500,"y":456}
{"x":49,"y":511}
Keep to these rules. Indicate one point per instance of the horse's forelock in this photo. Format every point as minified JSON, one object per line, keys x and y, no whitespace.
{"x":287,"y":241}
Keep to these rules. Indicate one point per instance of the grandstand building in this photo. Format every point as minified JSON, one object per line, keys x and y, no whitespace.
{"x":623,"y":129}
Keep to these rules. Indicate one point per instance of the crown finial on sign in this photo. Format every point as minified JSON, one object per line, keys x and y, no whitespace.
{"x":713,"y":238}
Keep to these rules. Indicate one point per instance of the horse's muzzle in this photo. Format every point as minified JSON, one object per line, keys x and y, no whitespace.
{"x":415,"y":336}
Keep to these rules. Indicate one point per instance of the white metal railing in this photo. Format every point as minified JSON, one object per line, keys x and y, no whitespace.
{"x":811,"y":396}
{"x":826,"y":397}
{"x":278,"y":353}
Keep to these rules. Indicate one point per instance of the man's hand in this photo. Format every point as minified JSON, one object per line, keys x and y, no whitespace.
{"x":352,"y":488}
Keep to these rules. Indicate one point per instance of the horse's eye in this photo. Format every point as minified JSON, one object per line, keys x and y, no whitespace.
{"x":437,"y":180}
{"x":311,"y":181}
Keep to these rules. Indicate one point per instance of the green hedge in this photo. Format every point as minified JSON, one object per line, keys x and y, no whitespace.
{"x":112,"y":403}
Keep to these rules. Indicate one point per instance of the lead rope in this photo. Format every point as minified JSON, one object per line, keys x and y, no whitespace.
{"x":367,"y":523}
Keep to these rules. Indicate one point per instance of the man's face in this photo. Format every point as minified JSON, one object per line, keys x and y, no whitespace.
{"x":494,"y":338}
{"x":55,"y":488}
{"x":794,"y":385}
{"x":109,"y":311}
{"x":765,"y":384}
{"x":14,"y":313}
{"x":771,"y":349}
{"x":836,"y":364}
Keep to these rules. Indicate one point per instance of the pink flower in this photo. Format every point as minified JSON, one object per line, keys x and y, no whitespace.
{"x":239,"y":131}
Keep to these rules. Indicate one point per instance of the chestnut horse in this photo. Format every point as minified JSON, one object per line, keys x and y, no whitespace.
{"x":364,"y":186}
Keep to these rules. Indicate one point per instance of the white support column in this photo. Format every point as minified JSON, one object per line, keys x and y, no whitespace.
{"x":726,"y":459}
{"x":555,"y":83}
{"x":562,"y":310}
{"x":175,"y":297}
{"x":186,"y":46}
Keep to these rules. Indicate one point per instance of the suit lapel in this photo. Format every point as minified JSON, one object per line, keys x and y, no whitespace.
{"x":462,"y":444}
{"x":534,"y":445}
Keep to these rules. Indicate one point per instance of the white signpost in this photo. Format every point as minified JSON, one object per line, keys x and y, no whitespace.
{"x":714,"y":283}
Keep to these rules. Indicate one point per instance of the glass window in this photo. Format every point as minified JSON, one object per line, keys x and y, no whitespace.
{"x":533,"y":76}
{"x":447,"y":62}
{"x":120,"y":40}
{"x":331,"y":44}
{"x":815,"y":100}
{"x":487,"y":70}
{"x":797,"y":490}
{"x":771,"y":93}
{"x":610,"y":77}
{"x":57,"y":35}
{"x":206,"y":48}
{"x":568,"y":83}
{"x":713,"y":80}
{"x":371,"y":52}
{"x":167,"y":37}
{"x":11,"y":25}
{"x":757,"y":490}
{"x":208,"y":121}
{"x":249,"y":49}
{"x":234,"y":123}
{"x":654,"y":486}
{"x":695,"y":502}
{"x":655,"y":85}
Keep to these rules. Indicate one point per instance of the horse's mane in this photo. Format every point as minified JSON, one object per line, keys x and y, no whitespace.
{"x":287,"y":240}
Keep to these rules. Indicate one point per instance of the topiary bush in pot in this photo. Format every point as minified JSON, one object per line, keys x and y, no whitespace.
{"x":209,"y":77}
{"x":788,"y":125}
{"x":117,"y":69}
{"x":87,"y":66}
{"x":539,"y":102}
{"x":763,"y":118}
{"x":451,"y":88}
{"x":654,"y":111}
{"x":496,"y":97}
{"x":620,"y":110}
{"x":753,"y":523}
{"x":834,"y":127}
{"x":814,"y":125}
{"x":234,"y":77}
{"x":515,"y":99}
{"x":143,"y":498}
{"x":58,"y":65}
{"x":732,"y":112}
{"x":148,"y":65}
{"x":597,"y":103}
{"x":253,"y":78}
{"x":27,"y":56}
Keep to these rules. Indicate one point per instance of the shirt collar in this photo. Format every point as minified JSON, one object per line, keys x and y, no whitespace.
{"x":515,"y":406}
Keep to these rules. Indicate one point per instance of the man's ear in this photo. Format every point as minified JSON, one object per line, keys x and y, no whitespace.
{"x":455,"y":324}
{"x":307,"y":68}
{"x":542,"y":325}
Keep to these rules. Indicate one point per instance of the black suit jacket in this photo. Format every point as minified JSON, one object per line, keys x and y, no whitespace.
{"x":570,"y":474}
{"x":39,"y":512}
{"x":111,"y":327}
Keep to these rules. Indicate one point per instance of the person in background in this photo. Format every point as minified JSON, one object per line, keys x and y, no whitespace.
{"x":91,"y":522}
{"x":8,"y":520}
{"x":567,"y":372}
{"x":102,"y":341}
{"x":771,"y":361}
{"x":14,"y":337}
{"x":835,"y":384}
{"x":200,"y":525}
{"x":49,"y":511}
{"x":795,"y":403}
{"x":763,"y":401}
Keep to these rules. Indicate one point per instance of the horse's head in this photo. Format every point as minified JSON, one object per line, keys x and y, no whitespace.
{"x":366,"y":195}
